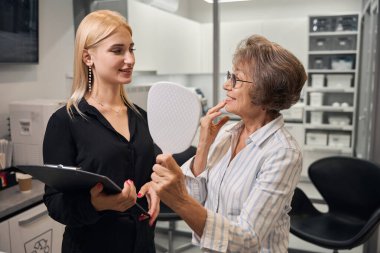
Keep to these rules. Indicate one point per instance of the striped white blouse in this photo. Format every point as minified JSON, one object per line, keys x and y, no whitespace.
{"x":247,"y":199}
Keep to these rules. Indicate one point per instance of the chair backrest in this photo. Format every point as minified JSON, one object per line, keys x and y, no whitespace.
{"x":350,"y":186}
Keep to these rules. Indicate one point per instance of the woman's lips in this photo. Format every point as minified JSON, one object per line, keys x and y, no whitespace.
{"x":229,"y":99}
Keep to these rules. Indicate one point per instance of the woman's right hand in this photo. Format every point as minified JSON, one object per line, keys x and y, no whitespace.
{"x":208,"y":132}
{"x":209,"y":129}
{"x":117,"y":202}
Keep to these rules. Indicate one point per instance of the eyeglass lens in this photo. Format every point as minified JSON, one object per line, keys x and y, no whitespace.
{"x":232,"y":77}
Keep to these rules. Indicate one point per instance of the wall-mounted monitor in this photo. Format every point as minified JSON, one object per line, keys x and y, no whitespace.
{"x":19,"y":31}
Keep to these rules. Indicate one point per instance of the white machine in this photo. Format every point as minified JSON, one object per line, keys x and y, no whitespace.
{"x":28,"y":121}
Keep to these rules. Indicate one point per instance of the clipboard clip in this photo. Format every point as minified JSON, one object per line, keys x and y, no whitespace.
{"x":62,"y":166}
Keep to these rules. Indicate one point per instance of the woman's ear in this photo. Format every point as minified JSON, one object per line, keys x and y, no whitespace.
{"x":86,"y":58}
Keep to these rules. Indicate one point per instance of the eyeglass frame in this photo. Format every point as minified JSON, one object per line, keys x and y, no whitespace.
{"x":234,"y":80}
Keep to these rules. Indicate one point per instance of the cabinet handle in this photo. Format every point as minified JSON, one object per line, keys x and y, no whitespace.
{"x":28,"y":220}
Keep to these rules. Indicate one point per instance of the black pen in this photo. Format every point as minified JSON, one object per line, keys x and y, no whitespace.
{"x":142,"y":210}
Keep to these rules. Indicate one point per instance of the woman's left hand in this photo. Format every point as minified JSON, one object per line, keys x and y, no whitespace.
{"x":168,"y":181}
{"x":153,"y":201}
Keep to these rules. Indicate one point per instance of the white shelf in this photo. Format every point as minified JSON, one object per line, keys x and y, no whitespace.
{"x":315,"y":52}
{"x":329,"y":108}
{"x":333,"y":33}
{"x":320,"y":148}
{"x":328,"y":127}
{"x":320,"y":131}
{"x":328,"y":71}
{"x":332,"y":90}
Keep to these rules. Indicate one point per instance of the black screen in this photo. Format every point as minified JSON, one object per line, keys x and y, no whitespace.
{"x":18,"y":31}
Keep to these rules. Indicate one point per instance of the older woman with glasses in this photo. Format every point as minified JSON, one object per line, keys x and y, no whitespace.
{"x":243,"y":176}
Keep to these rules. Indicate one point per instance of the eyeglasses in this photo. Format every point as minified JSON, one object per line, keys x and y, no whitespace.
{"x":232,"y":77}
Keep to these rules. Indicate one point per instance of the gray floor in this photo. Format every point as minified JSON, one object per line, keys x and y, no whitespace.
{"x":296,"y":245}
{"x":180,"y":240}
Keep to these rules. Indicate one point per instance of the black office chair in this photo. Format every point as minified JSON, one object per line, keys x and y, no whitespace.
{"x":166,"y":214}
{"x":351,"y":189}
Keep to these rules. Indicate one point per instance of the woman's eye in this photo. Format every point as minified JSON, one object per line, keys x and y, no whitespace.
{"x":132,"y":49}
{"x":116,"y":51}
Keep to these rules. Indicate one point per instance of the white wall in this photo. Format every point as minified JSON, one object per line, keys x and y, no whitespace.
{"x":56,"y":35}
{"x":47,"y":78}
{"x":201,"y":11}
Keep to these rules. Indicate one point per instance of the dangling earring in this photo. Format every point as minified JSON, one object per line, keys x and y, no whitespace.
{"x":89,"y":79}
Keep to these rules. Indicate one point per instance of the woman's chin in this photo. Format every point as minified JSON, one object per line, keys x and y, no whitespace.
{"x":228,"y":109}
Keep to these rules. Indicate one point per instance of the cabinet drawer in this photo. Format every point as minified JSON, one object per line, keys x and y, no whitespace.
{"x":34,"y":231}
{"x":5,"y":241}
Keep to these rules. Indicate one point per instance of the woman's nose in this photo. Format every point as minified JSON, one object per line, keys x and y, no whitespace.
{"x":129,"y":58}
{"x":227,"y":85}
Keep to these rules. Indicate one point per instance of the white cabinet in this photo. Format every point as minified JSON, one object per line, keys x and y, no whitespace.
{"x":144,"y":26}
{"x":165,"y":42}
{"x":290,"y":33}
{"x":330,"y":112}
{"x":34,"y":231}
{"x":5,"y":241}
{"x":179,"y":41}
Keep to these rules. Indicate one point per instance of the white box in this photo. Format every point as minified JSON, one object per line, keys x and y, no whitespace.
{"x":339,"y":81}
{"x":340,"y":64}
{"x":316,"y":139}
{"x":28,"y":124}
{"x":339,"y":120}
{"x":317,"y":80}
{"x":341,"y":140}
{"x":294,"y":113}
{"x":316,"y":98}
{"x":316,"y":118}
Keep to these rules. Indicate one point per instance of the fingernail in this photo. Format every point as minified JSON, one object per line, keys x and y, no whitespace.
{"x":127,"y":181}
{"x":99,"y":185}
{"x":130,"y":182}
{"x":139,"y":195}
{"x":143,"y":217}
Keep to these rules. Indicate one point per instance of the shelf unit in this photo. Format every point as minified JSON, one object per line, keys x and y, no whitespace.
{"x":331,"y":91}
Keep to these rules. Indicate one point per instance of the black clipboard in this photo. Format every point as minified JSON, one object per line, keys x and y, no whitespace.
{"x":71,"y":179}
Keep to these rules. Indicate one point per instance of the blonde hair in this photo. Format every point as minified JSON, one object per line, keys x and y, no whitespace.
{"x":94,"y":28}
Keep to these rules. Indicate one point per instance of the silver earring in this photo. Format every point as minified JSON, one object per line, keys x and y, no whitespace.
{"x":89,"y":79}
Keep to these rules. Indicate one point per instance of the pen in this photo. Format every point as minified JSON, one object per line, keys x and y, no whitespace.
{"x":142,"y":210}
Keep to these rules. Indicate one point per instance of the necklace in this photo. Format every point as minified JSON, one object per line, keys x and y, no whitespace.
{"x":104,"y":106}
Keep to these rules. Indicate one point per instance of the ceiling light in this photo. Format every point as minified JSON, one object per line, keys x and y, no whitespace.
{"x":225,"y":1}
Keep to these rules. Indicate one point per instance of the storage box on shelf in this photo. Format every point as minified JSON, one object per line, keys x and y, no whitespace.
{"x":317,"y":80}
{"x":339,"y":140}
{"x":330,"y":106}
{"x":339,"y":80}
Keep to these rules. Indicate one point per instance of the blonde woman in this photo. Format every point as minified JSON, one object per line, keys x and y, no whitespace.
{"x":101,"y":131}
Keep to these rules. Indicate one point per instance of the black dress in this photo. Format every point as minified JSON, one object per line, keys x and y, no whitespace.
{"x":94,"y":145}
